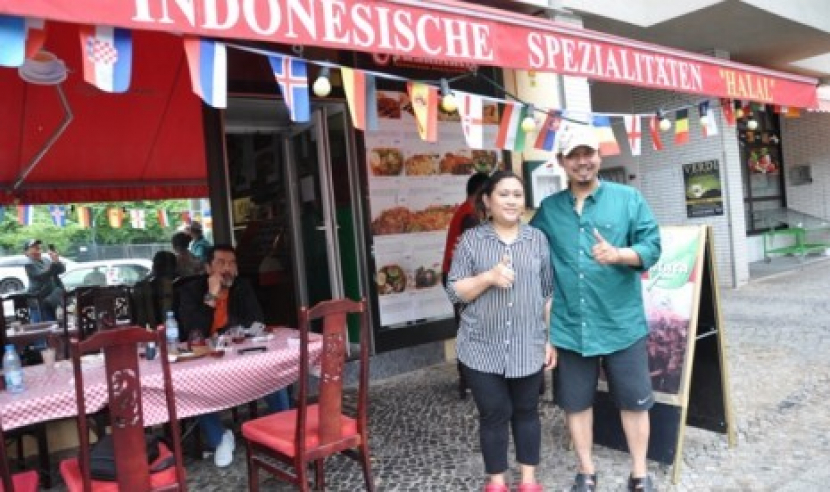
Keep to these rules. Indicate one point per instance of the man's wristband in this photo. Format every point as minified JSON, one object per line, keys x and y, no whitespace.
{"x":210,"y":297}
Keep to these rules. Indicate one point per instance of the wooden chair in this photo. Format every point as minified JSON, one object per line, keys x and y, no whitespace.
{"x":96,"y":308}
{"x":22,"y":306}
{"x":121,"y":362}
{"x":312,"y":432}
{"x":27,"y":481}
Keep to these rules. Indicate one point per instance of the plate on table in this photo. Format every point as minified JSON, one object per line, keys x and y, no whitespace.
{"x":185,"y":356}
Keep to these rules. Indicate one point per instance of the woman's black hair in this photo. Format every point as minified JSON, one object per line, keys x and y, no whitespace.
{"x":164,"y":264}
{"x":488,"y":187}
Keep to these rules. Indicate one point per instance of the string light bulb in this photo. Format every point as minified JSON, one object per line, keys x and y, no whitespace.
{"x":448,"y":102}
{"x":665,"y":123}
{"x":322,"y":85}
{"x":529,"y":122}
{"x":752,"y":124}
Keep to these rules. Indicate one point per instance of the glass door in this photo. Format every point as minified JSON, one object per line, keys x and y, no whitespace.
{"x":322,"y":183}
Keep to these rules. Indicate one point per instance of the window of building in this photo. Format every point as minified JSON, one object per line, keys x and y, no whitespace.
{"x":761,"y":167}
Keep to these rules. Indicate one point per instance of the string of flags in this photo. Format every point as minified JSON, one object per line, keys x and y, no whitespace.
{"x":107,"y":61}
{"x":116,"y":217}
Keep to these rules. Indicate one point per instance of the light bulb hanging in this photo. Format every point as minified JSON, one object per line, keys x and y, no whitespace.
{"x":322,"y":86}
{"x":448,"y":102}
{"x":664,"y":123}
{"x":529,"y":121}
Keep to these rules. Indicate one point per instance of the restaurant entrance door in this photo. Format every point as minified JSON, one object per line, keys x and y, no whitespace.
{"x":322,"y":192}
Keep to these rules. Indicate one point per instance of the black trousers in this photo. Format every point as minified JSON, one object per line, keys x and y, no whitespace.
{"x":506,"y":404}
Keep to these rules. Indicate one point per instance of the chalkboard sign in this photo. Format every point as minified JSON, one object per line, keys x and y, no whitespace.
{"x":687,"y":353}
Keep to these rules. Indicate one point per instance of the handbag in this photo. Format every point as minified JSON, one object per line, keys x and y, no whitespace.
{"x":102,"y":458}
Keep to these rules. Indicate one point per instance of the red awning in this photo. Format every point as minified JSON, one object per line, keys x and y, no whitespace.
{"x":444,"y":29}
{"x":146,"y":144}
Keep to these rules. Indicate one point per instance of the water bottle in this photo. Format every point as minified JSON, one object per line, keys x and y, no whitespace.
{"x":172,"y":334}
{"x":13,"y":370}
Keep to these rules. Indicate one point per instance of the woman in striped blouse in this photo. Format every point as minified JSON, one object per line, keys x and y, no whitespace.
{"x":501,"y":275}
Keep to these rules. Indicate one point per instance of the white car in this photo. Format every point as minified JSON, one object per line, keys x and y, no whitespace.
{"x":106,"y":272}
{"x":13,"y":276}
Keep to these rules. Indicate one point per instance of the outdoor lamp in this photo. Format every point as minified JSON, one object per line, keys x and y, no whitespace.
{"x":448,"y":101}
{"x":529,"y":122}
{"x":322,"y":86}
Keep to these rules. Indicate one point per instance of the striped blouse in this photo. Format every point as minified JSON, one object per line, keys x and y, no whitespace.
{"x":503,"y":331}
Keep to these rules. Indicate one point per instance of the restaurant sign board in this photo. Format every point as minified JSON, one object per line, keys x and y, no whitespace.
{"x":441,"y":30}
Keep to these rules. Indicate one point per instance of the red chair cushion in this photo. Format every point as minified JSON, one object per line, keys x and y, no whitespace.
{"x":27,"y":481}
{"x":278,"y":431}
{"x":71,"y":473}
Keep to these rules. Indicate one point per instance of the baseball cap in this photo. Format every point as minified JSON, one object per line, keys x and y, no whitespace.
{"x":578,"y":136}
{"x":31,"y":242}
{"x":195,"y":226}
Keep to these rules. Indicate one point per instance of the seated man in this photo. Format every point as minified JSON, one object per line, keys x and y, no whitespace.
{"x":211,"y":303}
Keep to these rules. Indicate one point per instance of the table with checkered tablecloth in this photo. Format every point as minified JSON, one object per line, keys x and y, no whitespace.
{"x":201,"y":386}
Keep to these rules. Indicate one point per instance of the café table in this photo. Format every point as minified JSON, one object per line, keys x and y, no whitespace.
{"x":27,"y":334}
{"x":201,"y":385}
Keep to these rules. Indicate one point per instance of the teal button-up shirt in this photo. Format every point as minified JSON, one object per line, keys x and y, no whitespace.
{"x":598,"y":309}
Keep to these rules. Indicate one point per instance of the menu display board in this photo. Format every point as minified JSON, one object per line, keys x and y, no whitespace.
{"x":414,"y":189}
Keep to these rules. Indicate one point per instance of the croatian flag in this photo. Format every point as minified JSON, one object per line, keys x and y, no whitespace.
{"x":58,"y":214}
{"x":25,"y":215}
{"x":107,"y":55}
{"x":208,"y":63}
{"x":470,"y":110}
{"x":292,"y":76}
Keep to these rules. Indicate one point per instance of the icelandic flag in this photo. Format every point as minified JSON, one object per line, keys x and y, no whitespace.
{"x":164,"y":221}
{"x":635,"y":132}
{"x":605,"y":134}
{"x":12,"y":41}
{"x":58,"y":214}
{"x":25,"y":215}
{"x":107,"y":56}
{"x":546,"y":139}
{"x":511,"y":136}
{"x":292,"y":76}
{"x":361,"y":97}
{"x":208,"y":63}
{"x":470,"y":110}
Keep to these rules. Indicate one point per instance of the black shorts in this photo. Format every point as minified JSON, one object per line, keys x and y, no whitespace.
{"x":629,"y":381}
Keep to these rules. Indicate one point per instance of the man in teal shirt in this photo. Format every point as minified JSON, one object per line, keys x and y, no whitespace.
{"x":602,"y":237}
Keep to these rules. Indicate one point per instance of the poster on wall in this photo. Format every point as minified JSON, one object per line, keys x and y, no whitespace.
{"x":414,"y":189}
{"x":704,"y":197}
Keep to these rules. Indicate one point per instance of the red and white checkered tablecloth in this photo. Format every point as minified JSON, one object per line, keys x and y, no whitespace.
{"x":201,"y":386}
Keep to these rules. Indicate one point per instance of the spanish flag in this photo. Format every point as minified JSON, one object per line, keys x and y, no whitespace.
{"x":84,"y":217}
{"x":681,"y":127}
{"x":424,"y":101}
{"x":115,"y":216}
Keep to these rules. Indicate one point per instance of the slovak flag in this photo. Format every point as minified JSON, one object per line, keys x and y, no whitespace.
{"x":470,"y":110}
{"x":25,"y":215}
{"x":292,"y":76}
{"x":107,"y":56}
{"x":58,"y":214}
{"x":208,"y":64}
{"x":633,"y":127}
{"x":546,"y":139}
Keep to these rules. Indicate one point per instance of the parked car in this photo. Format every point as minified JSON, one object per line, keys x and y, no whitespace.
{"x":106,"y":272}
{"x":13,"y":273}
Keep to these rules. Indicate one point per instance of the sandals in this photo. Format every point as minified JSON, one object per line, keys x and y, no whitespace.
{"x":642,"y":484}
{"x":584,"y":482}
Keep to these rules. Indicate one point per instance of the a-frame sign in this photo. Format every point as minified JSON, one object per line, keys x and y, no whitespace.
{"x":687,"y":350}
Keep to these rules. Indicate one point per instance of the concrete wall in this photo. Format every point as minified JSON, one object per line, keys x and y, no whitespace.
{"x":805,"y":142}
